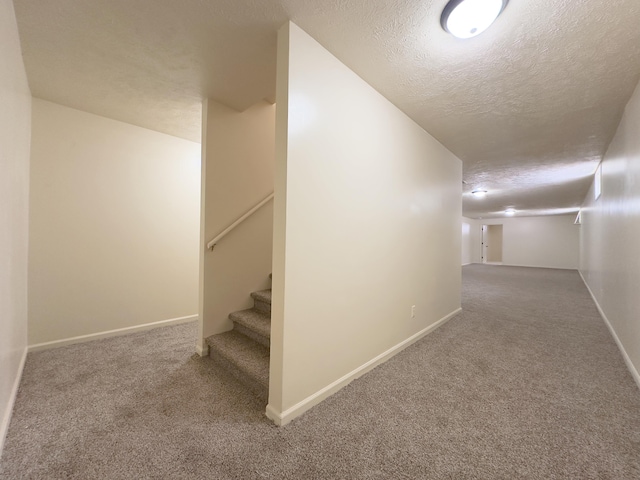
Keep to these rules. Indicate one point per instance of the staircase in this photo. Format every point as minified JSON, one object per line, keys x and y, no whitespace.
{"x":244,"y":351}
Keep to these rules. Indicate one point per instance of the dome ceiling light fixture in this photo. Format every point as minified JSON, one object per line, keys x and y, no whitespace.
{"x":468,"y":18}
{"x":479,"y":193}
{"x":510,"y":212}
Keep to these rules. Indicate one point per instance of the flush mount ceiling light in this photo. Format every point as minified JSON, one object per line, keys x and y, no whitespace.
{"x":468,"y":18}
{"x":478,"y":193}
{"x":510,"y":211}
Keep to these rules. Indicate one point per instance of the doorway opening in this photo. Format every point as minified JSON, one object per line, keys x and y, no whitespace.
{"x":492,"y":244}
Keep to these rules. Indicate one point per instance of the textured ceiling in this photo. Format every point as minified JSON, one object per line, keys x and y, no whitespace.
{"x":530,"y":105}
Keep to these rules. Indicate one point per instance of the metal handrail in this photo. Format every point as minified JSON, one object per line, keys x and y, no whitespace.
{"x":213,"y":242}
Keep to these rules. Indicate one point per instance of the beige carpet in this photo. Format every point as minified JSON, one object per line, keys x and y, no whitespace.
{"x":525,"y":383}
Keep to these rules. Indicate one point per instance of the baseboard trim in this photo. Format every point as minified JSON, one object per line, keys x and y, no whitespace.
{"x":531,"y":266}
{"x":625,"y":356}
{"x":6,"y":417}
{"x":203,"y":351}
{"x":282,"y":418}
{"x":111,"y":333}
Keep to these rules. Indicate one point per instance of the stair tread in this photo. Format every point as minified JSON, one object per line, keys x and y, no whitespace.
{"x":262,"y":295}
{"x":248,"y":355}
{"x":253,"y":319}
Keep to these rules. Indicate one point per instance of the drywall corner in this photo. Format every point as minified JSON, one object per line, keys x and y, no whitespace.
{"x":276,"y":362}
{"x":6,"y":415}
{"x":15,"y":135}
{"x":202,"y":348}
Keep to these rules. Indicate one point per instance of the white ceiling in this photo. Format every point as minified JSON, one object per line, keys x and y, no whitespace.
{"x":530,"y":105}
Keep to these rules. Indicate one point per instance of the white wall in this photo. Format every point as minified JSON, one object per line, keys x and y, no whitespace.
{"x":466,"y":243}
{"x":15,"y":127}
{"x":610,"y":237}
{"x":471,"y":241}
{"x":237,"y":174}
{"x":549,"y":241}
{"x":114,"y":225}
{"x":366,"y":224}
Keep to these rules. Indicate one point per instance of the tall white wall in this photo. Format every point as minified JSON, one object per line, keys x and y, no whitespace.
{"x":471,"y":241}
{"x":466,"y":243}
{"x":237,"y":174}
{"x":547,"y":241}
{"x":610,"y":237}
{"x":15,"y":127}
{"x":114,"y":225}
{"x":366,"y":224}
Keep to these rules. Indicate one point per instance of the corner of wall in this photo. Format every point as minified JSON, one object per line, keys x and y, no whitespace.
{"x":201,"y":346}
{"x":15,"y":136}
{"x":13,"y":394}
{"x":276,"y":363}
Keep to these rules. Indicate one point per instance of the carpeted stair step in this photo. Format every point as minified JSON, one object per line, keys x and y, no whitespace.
{"x":262,"y":300}
{"x":246,"y":359}
{"x":253,"y":323}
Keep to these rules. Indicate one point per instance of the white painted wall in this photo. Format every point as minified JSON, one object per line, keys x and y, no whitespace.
{"x":547,"y":241}
{"x":366,"y":224}
{"x":114,"y":225}
{"x":471,"y":241}
{"x":610,"y":237}
{"x":466,"y":243}
{"x":15,"y":128}
{"x":237,"y":174}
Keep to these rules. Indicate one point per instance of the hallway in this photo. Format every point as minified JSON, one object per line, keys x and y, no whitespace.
{"x":525,"y":383}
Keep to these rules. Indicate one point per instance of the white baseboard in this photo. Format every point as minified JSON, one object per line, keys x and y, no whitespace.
{"x":532,"y":266}
{"x":282,"y":418}
{"x":625,"y":356}
{"x":111,"y":333}
{"x":6,"y":416}
{"x":201,"y":350}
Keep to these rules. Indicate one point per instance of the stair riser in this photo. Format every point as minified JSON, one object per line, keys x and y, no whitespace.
{"x":259,"y":390}
{"x":252,"y":334}
{"x":244,"y":351}
{"x":262,"y":306}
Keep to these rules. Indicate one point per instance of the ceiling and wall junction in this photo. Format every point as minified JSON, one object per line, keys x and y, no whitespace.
{"x":529,"y":105}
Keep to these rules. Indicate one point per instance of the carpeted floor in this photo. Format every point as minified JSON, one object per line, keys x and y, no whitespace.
{"x":525,"y":383}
